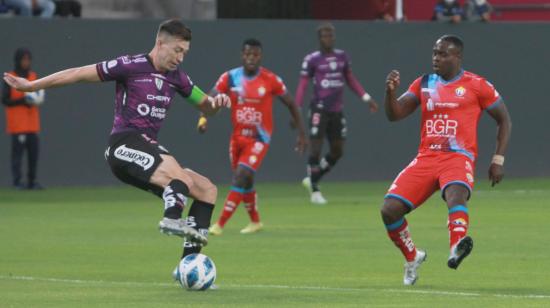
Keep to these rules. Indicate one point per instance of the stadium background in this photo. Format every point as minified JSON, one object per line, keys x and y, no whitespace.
{"x":77,"y":120}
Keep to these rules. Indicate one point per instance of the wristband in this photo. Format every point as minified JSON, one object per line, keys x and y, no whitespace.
{"x":498,"y":160}
{"x":366,"y":97}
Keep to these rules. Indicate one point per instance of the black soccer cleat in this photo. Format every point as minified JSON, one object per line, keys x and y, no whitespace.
{"x":460,"y":251}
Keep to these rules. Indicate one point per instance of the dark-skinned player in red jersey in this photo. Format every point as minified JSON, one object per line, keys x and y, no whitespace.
{"x":145,"y":87}
{"x":330,"y":70}
{"x":451,"y":101}
{"x":251,"y":88}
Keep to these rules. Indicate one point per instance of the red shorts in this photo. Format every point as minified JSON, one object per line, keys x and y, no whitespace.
{"x":246,"y":151}
{"x":429,"y":172}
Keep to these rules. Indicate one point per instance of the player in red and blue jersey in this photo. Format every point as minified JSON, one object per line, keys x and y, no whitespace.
{"x":330,"y":71}
{"x":451,"y":101}
{"x":146,"y":85}
{"x":251,"y":89}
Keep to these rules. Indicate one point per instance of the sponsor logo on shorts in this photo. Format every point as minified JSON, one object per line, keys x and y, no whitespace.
{"x":470,"y":177}
{"x":134,"y":156}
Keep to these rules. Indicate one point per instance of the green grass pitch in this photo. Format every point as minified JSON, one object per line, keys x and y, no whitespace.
{"x":99,"y":247}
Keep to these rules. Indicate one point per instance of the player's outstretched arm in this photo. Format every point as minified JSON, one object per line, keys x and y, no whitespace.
{"x":301,"y":142}
{"x":354,"y":84}
{"x":397,"y":108}
{"x":86,"y":73}
{"x":504,"y":130}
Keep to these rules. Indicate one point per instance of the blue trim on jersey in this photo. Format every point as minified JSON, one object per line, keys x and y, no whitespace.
{"x":263,"y":136}
{"x":495,"y":104}
{"x":398,"y":197}
{"x":395,"y":225}
{"x":247,"y":167}
{"x":458,"y":208}
{"x":432,"y":81}
{"x":236,"y":75}
{"x":457,"y":77}
{"x":408,"y":93}
{"x":459,"y":183}
{"x":454,"y":147}
{"x":238,"y":189}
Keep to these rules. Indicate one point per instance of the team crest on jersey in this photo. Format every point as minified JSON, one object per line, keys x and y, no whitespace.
{"x":261,"y":91}
{"x":159,"y":83}
{"x":333,"y":65}
{"x":460,"y":91}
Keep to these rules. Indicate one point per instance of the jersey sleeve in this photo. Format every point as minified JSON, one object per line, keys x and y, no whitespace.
{"x":488,"y":95}
{"x":222,"y":85}
{"x":307,"y":67}
{"x":415,"y":89}
{"x":278,"y":86}
{"x":115,"y":69}
{"x":189,"y":90}
{"x":347,"y":63}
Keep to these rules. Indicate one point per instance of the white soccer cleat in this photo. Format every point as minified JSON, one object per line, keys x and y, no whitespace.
{"x":306,"y":182}
{"x":411,"y":275}
{"x":180,"y":228}
{"x":317,"y":198}
{"x":215,"y":229}
{"x":460,"y":251}
{"x":252,"y":227}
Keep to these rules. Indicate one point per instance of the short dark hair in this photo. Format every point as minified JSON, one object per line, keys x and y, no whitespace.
{"x":455,"y":40}
{"x":175,"y":27}
{"x":252,"y":42}
{"x":326,"y":26}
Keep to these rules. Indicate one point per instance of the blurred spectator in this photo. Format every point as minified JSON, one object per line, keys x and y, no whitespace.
{"x":67,"y":8}
{"x":22,"y":122}
{"x":478,"y":10}
{"x":385,"y":9}
{"x":42,"y":8}
{"x":448,"y":10}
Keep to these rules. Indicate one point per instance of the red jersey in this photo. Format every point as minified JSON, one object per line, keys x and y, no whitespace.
{"x":251,"y":101}
{"x":451,"y":111}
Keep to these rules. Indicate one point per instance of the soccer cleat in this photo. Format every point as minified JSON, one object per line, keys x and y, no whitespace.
{"x":176,"y":274}
{"x":306,"y":182}
{"x":317,"y":198}
{"x":215,"y":229}
{"x":411,"y":276}
{"x":180,"y":228}
{"x":460,"y":251}
{"x":252,"y":227}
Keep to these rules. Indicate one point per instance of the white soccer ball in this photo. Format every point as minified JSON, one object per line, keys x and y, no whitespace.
{"x":35,"y":98}
{"x":196,"y":272}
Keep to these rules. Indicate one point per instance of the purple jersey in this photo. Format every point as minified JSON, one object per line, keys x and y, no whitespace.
{"x":143,"y":94}
{"x":329,"y":73}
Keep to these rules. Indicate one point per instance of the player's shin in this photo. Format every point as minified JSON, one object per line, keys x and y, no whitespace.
{"x":234,"y":197}
{"x":326,"y":164}
{"x":399,"y":234}
{"x":199,"y":218}
{"x":457,"y":223}
{"x":250,"y":200}
{"x":174,"y":197}
{"x":314,"y":172}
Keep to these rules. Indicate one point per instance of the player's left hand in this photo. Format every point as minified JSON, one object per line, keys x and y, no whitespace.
{"x":496,"y":173}
{"x":301,"y":144}
{"x":373,"y":106}
{"x":219,"y":101}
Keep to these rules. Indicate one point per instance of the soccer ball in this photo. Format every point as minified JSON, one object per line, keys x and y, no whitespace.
{"x":35,"y":98}
{"x":196,"y":272}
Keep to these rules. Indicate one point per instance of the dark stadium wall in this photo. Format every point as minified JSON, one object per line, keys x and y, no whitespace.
{"x":76,"y":120}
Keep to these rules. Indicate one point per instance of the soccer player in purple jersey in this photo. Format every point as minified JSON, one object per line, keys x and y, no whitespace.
{"x":145,"y":87}
{"x":330,"y":70}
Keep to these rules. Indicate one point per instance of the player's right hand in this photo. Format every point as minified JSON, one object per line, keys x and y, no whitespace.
{"x":18,"y":83}
{"x":393,"y":80}
{"x":219,"y":101}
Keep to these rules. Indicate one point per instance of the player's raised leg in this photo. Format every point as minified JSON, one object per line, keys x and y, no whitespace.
{"x":393,"y":215}
{"x":458,"y":222}
{"x":179,"y":183}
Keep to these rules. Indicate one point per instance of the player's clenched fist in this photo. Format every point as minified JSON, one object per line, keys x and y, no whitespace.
{"x":219,"y":101}
{"x":393,"y":80}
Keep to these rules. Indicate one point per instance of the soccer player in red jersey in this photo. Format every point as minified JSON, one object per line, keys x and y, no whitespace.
{"x":251,"y":89}
{"x":451,"y":101}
